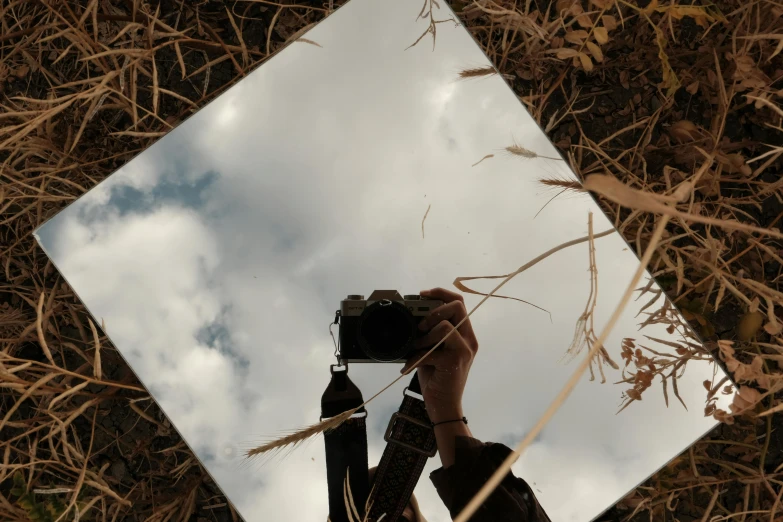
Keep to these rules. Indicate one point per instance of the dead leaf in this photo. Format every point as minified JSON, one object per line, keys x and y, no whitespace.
{"x":633,"y":394}
{"x":723,"y":416}
{"x":566,"y":53}
{"x":735,"y":163}
{"x":699,"y":14}
{"x":773,"y":328}
{"x":610,"y":22}
{"x":576,"y":37}
{"x":305,"y":40}
{"x":567,"y":5}
{"x":587,"y":63}
{"x":684,"y":131}
{"x":652,"y":6}
{"x":745,"y":399}
{"x":584,"y":21}
{"x":748,"y":325}
{"x":21,"y":71}
{"x":601,"y":35}
{"x":693,"y":88}
{"x":595,"y":51}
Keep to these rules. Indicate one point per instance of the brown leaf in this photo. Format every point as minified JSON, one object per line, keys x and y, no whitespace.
{"x":610,"y":22}
{"x":693,"y":88}
{"x":563,"y":5}
{"x":587,"y":63}
{"x":576,"y":37}
{"x":652,"y":6}
{"x":745,"y":399}
{"x":601,"y":35}
{"x":735,"y":164}
{"x":773,"y":328}
{"x":595,"y":51}
{"x":601,"y":4}
{"x":723,"y":416}
{"x":684,"y":131}
{"x":748,"y":325}
{"x":21,"y":71}
{"x":699,"y":14}
{"x":633,"y":394}
{"x":566,"y":53}
{"x":584,"y":21}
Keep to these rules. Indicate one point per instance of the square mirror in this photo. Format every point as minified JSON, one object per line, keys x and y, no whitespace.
{"x":350,"y":162}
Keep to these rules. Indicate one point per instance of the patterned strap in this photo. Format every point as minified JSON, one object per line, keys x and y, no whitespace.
{"x":410,"y":441}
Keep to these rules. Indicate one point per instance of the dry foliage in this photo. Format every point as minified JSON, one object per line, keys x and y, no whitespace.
{"x":84,"y":86}
{"x":584,"y":331}
{"x":657,"y":94}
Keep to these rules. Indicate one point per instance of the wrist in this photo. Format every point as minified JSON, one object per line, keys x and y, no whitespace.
{"x":445,"y":413}
{"x":446,"y":436}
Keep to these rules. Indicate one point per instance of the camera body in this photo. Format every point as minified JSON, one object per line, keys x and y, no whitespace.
{"x":383,"y":327}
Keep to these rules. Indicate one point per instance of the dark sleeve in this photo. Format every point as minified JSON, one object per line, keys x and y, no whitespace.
{"x":474,"y":463}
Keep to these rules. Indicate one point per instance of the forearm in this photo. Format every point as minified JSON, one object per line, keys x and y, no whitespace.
{"x":446,"y":434}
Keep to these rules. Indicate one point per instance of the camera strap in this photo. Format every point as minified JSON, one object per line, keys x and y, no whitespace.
{"x":346,"y":447}
{"x":410,"y":441}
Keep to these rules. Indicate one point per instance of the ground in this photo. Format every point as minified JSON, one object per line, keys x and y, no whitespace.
{"x":656,"y":93}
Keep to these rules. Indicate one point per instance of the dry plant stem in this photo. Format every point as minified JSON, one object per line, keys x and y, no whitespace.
{"x":482,"y":159}
{"x":300,"y":435}
{"x":424,"y":219}
{"x":714,"y":499}
{"x":303,"y":434}
{"x":39,"y":329}
{"x":97,"y":361}
{"x":584,"y":331}
{"x":505,"y":467}
{"x":614,"y":190}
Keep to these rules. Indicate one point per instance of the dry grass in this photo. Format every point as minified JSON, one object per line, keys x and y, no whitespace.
{"x":657,"y":94}
{"x":83,"y":87}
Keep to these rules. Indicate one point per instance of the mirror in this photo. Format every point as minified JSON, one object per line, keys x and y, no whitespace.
{"x":217,"y":258}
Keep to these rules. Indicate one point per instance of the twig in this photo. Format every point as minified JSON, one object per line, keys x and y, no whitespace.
{"x":505,"y":467}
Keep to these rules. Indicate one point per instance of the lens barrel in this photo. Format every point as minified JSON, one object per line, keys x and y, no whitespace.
{"x":386,"y":331}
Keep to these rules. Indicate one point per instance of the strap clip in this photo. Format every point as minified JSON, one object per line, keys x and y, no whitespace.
{"x":401,"y":416}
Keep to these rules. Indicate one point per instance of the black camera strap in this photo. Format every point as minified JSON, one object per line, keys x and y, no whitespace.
{"x":346,"y":447}
{"x":410,"y":441}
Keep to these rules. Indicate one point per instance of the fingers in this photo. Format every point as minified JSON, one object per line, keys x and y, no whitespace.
{"x":418,"y":359}
{"x":455,"y":313}
{"x":452,"y":341}
{"x":441,"y":294}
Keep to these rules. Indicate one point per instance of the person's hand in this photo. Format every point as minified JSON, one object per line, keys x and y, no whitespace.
{"x":443,"y":373}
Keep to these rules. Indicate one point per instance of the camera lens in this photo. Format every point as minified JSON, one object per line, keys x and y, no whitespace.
{"x":386,"y":331}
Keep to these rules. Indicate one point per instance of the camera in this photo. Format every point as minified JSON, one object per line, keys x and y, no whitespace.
{"x":383,"y":327}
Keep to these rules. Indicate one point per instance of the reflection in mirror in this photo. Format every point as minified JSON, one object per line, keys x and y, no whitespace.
{"x":348,"y":164}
